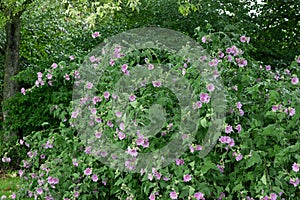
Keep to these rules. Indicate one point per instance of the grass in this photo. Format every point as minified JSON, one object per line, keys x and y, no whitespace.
{"x":9,"y":183}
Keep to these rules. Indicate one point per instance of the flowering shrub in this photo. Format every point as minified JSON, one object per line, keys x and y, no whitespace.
{"x":256,"y":157}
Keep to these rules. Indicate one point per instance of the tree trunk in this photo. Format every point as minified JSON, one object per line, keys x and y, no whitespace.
{"x":12,"y":57}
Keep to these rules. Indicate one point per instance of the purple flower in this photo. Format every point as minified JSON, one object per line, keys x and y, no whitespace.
{"x":239,"y":128}
{"x":132,"y":97}
{"x":94,"y":177}
{"x":87,"y":171}
{"x":49,"y":76}
{"x":295,"y":167}
{"x":110,"y":124}
{"x":132,"y":151}
{"x":228,"y":129}
{"x":23,"y":91}
{"x":156,"y":83}
{"x":121,"y":135}
{"x":106,"y":95}
{"x":54,"y":65}
{"x":71,"y":57}
{"x":95,"y":34}
{"x":67,"y":77}
{"x":98,"y":134}
{"x":40,"y":74}
{"x":89,"y":85}
{"x":119,"y":114}
{"x":199,"y":196}
{"x":13,"y":196}
{"x":198,"y":105}
{"x":88,"y":150}
{"x":204,"y":97}
{"x":187,"y":178}
{"x":150,"y":66}
{"x":179,"y":162}
{"x":112,"y":62}
{"x":268,"y":67}
{"x":152,"y":197}
{"x":295,"y":80}
{"x":173,"y":195}
{"x":221,"y":167}
{"x":239,"y":157}
{"x":239,"y":105}
{"x":294,"y":182}
{"x":39,"y":191}
{"x":210,"y":87}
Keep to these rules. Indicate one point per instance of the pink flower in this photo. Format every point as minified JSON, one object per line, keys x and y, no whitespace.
{"x":241,"y":62}
{"x":121,"y":135}
{"x":124,"y":68}
{"x":245,"y":39}
{"x":110,"y":124}
{"x":39,"y":191}
{"x":98,"y":134}
{"x":76,"y":194}
{"x":199,"y":196}
{"x":71,"y":57}
{"x":76,"y":74}
{"x":112,"y":62}
{"x":88,"y":150}
{"x":239,"y":157}
{"x":119,"y":114}
{"x":152,"y":197}
{"x":54,"y":65}
{"x":296,"y":167}
{"x":198,"y":104}
{"x":132,"y":151}
{"x":132,"y":97}
{"x":94,"y":177}
{"x":198,"y":147}
{"x":292,"y":111}
{"x":295,"y":80}
{"x":214,"y":62}
{"x":221,"y":54}
{"x":156,"y":83}
{"x":106,"y":95}
{"x":204,"y":97}
{"x":122,"y":126}
{"x":67,"y":77}
{"x":150,"y":66}
{"x":210,"y":87}
{"x":226,"y":140}
{"x":268,"y":67}
{"x":173,"y":195}
{"x":241,"y":112}
{"x":179,"y":162}
{"x":294,"y":182}
{"x":221,"y":167}
{"x":95,"y":34}
{"x":298,"y":59}
{"x":87,"y":171}
{"x":187,"y":178}
{"x":49,"y":76}
{"x":40,"y":74}
{"x":13,"y":196}
{"x":239,"y":128}
{"x":23,"y":91}
{"x":203,"y":39}
{"x":239,"y":105}
{"x":89,"y":85}
{"x":96,"y":99}
{"x":228,"y":129}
